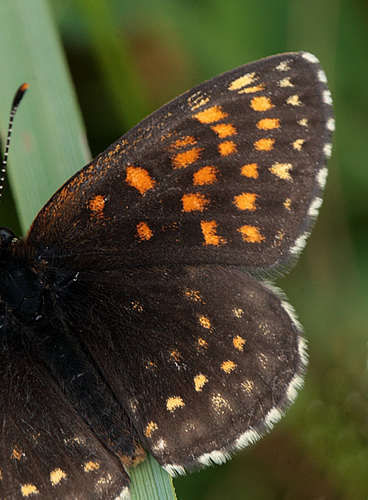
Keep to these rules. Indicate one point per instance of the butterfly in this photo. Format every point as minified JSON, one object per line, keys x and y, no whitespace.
{"x":136,"y":315}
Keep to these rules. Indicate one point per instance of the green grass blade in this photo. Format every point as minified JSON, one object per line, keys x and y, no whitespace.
{"x":49,"y":142}
{"x":151,"y":482}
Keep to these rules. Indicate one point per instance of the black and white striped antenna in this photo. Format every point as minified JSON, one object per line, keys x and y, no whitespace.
{"x":18,"y":97}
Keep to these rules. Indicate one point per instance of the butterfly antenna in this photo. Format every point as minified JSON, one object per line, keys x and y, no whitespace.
{"x":17,"y":98}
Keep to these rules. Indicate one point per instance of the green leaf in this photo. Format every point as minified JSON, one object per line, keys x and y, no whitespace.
{"x":49,"y":142}
{"x":151,"y":482}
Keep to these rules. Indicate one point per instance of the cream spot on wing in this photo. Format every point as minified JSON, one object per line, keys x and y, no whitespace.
{"x":56,"y":476}
{"x":248,"y":385}
{"x":28,"y":490}
{"x":298,"y":144}
{"x":220,"y":404}
{"x":91,"y":466}
{"x":228,"y":366}
{"x":173,"y":403}
{"x":150,"y":429}
{"x":287,"y":203}
{"x":242,"y":81}
{"x":239,"y":342}
{"x":199,"y":381}
{"x":294,"y":100}
{"x":238,"y":312}
{"x":282,"y":170}
{"x":283,"y":66}
{"x":285,"y":82}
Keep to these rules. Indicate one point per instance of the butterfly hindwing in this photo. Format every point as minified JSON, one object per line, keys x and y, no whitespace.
{"x":209,"y":349}
{"x":230,"y":172}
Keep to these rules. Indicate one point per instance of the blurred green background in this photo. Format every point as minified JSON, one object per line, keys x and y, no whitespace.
{"x":127,"y":58}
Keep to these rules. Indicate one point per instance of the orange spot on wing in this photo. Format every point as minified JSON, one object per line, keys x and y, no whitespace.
{"x":246,"y":201}
{"x":185,"y":141}
{"x":251,"y":234}
{"x":205,"y":175}
{"x":239,"y":342}
{"x":250,"y":170}
{"x":205,"y":322}
{"x":268,"y":123}
{"x":139,"y":178}
{"x":97,"y":205}
{"x":261,"y":103}
{"x":182,"y":160}
{"x":211,"y":115}
{"x":193,"y":295}
{"x":175,"y":354}
{"x":16,"y":453}
{"x":211,"y":237}
{"x":264,"y":144}
{"x":224,"y":130}
{"x":144,"y":231}
{"x":202,"y":343}
{"x":194,"y":202}
{"x":226,"y":148}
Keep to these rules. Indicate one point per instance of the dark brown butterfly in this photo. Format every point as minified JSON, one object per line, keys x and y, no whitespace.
{"x":135,"y":315}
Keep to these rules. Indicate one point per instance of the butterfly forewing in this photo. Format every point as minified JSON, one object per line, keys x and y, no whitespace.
{"x":230,"y":172}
